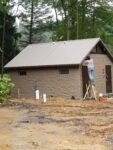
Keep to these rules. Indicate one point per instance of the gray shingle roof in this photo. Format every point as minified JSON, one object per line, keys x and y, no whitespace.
{"x":54,"y":53}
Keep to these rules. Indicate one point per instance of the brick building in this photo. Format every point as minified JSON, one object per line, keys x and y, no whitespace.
{"x":56,"y":68}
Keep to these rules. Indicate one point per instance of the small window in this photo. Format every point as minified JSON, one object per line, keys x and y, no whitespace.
{"x":64,"y":71}
{"x":22,"y":73}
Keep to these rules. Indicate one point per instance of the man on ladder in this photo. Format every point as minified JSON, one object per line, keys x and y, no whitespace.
{"x":90,"y":65}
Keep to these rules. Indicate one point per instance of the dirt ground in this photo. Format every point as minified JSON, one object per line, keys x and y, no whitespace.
{"x":56,"y":125}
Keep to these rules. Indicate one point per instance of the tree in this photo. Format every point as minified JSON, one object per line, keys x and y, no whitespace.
{"x":36,"y":22}
{"x":84,"y":19}
{"x":8,"y":36}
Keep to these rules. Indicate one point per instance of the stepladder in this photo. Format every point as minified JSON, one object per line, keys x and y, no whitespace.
{"x":91,"y":91}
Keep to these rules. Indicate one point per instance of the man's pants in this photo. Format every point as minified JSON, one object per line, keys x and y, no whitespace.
{"x":91,"y":74}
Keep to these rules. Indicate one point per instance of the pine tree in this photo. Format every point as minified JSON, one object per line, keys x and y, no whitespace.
{"x":36,"y":22}
{"x":8,"y":35}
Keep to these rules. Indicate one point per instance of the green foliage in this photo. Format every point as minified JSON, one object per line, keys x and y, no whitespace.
{"x":84,"y":19}
{"x":8,"y":33}
{"x":69,"y":19}
{"x":46,"y":20}
{"x":35,"y":22}
{"x":5,"y":87}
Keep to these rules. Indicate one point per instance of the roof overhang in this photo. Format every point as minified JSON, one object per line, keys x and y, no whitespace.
{"x":43,"y":67}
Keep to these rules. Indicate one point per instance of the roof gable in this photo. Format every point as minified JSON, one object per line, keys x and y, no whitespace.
{"x":54,"y":53}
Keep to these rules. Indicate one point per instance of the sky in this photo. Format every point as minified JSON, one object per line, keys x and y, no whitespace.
{"x":17,"y":10}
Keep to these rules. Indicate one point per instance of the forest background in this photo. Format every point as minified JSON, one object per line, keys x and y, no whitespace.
{"x":23,"y":22}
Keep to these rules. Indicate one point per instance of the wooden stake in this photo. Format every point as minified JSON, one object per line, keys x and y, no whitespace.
{"x":18,"y":93}
{"x":94,"y":92}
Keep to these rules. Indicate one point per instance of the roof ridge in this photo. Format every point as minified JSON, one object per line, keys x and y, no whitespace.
{"x":53,"y":42}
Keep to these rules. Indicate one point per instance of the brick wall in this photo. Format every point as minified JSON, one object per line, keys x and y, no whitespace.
{"x":49,"y":81}
{"x":100,"y":61}
{"x":52,"y":83}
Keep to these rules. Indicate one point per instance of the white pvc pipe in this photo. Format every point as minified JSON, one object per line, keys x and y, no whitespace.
{"x":44,"y":98}
{"x":37,"y":94}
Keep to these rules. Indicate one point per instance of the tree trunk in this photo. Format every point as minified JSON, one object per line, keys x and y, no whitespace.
{"x":3,"y":42}
{"x":66,"y":20}
{"x":56,"y":15}
{"x":77,"y":20}
{"x":93,"y":19}
{"x":83,"y":19}
{"x":31,"y":23}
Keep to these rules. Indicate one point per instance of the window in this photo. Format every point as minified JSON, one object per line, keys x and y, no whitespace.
{"x":64,"y":71}
{"x":22,"y":73}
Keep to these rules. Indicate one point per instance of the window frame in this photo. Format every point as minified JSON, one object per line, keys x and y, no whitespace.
{"x":22,"y":73}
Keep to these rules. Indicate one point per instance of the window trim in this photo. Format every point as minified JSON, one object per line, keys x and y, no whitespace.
{"x":22,"y":72}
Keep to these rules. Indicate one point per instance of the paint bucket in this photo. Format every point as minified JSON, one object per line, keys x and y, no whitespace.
{"x":101,"y":98}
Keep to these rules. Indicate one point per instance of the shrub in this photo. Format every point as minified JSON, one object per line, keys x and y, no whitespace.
{"x":5,"y":87}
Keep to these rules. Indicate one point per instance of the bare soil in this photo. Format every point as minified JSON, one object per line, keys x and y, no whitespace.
{"x":56,"y":125}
